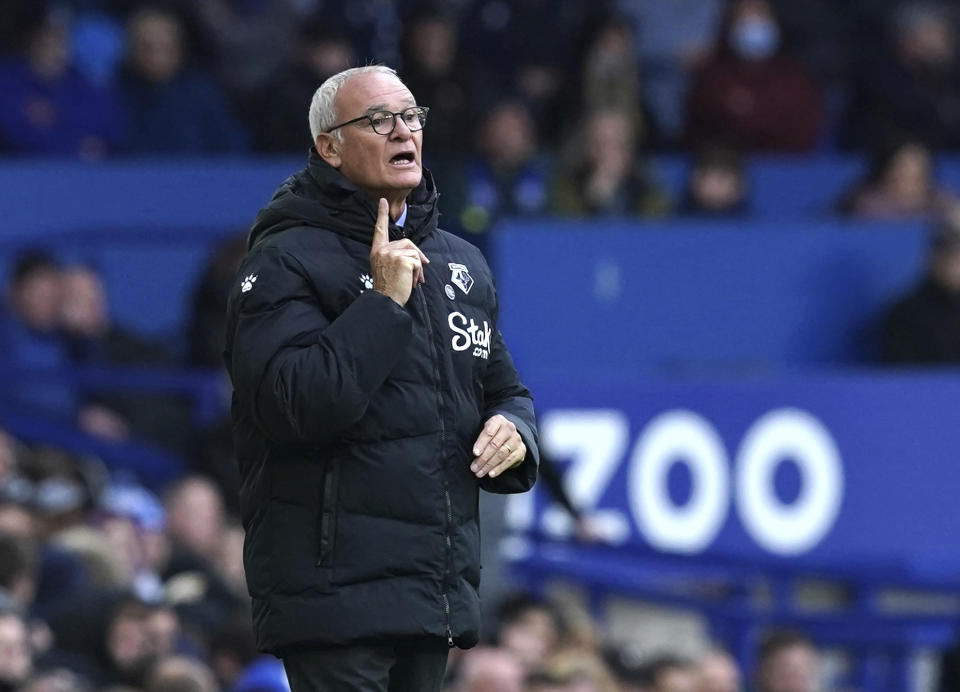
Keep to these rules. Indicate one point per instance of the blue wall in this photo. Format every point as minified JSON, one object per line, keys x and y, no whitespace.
{"x":662,"y":297}
{"x":613,"y":298}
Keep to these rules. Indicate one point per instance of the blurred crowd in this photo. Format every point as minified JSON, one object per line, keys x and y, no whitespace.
{"x":541,"y":106}
{"x":106,"y":585}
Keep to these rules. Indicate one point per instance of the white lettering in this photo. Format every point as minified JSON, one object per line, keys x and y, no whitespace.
{"x":679,"y":437}
{"x":788,"y":529}
{"x":467,"y":334}
{"x":461,"y":340}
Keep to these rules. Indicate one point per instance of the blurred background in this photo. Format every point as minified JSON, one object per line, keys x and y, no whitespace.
{"x":727,"y":241}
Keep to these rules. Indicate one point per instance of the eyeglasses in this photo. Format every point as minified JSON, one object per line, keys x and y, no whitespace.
{"x":384,"y":122}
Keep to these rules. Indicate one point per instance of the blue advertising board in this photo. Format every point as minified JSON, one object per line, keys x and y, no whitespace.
{"x":837,"y":471}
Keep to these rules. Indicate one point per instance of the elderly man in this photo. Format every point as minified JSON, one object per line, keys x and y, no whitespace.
{"x":373,"y":395}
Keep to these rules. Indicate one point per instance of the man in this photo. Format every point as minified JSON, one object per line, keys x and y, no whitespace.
{"x":373,"y":394}
{"x":788,"y":661}
{"x":923,"y":326}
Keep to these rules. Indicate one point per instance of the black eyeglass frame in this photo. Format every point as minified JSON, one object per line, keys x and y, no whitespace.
{"x":369,"y":118}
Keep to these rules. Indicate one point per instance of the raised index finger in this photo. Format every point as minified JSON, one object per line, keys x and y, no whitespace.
{"x":380,"y":235}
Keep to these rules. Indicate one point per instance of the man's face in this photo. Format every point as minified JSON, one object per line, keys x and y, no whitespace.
{"x":380,"y":164}
{"x":792,"y":669}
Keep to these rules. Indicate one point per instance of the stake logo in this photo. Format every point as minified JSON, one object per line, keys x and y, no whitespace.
{"x":469,"y":334}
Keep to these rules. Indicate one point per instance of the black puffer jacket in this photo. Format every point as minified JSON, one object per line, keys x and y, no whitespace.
{"x":354,"y":420}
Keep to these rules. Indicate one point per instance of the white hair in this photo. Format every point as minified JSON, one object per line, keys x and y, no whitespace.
{"x":322,"y":113}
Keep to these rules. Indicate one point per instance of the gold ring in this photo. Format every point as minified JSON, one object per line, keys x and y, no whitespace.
{"x":508,"y":448}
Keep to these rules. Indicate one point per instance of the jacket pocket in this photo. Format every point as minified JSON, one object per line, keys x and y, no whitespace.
{"x":328,"y":516}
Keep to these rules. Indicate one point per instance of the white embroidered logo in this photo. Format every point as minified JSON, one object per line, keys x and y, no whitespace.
{"x":367,"y":281}
{"x":460,"y":276}
{"x":465,"y":336}
{"x":248,"y":283}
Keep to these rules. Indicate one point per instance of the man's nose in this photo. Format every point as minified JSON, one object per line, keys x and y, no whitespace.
{"x":400,"y":130}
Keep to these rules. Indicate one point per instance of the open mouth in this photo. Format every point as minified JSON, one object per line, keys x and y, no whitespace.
{"x":404,"y":159}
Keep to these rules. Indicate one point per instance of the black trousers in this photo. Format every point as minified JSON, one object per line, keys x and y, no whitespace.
{"x":400,"y":665}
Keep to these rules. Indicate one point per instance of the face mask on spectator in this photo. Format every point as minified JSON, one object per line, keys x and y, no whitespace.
{"x":755,"y":38}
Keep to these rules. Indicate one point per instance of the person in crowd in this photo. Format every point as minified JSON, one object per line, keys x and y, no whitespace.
{"x":529,"y":629}
{"x":610,"y":77}
{"x":900,"y":184}
{"x":627,"y":668}
{"x":751,"y":92}
{"x":182,"y":674}
{"x":572,"y":671}
{"x":363,"y":562}
{"x":19,"y":564}
{"x":507,"y":177}
{"x":252,"y":41}
{"x":604,"y":174}
{"x":487,"y":669}
{"x":31,"y":342}
{"x":718,"y":186}
{"x":717,"y":671}
{"x":437,"y":70}
{"x":787,"y":661}
{"x":673,"y":39}
{"x":94,"y":340}
{"x":48,"y":107}
{"x":914,"y":85}
{"x":207,"y":327}
{"x":670,"y":673}
{"x":529,"y":63}
{"x":923,"y":326}
{"x":16,"y":652}
{"x":322,"y":51}
{"x":172,"y":108}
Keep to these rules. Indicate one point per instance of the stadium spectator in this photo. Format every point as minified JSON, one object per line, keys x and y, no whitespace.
{"x":923,"y":326}
{"x":208,"y":322}
{"x":16,"y":654}
{"x":526,"y":60}
{"x":180,"y":674}
{"x":899,"y":184}
{"x":529,"y":629}
{"x":717,"y":186}
{"x":787,"y":661}
{"x":48,"y":107}
{"x":751,"y":92}
{"x":603,"y":173}
{"x":95,"y":340}
{"x":251,"y":41}
{"x":486,"y":669}
{"x":717,"y":671}
{"x":171,"y":107}
{"x":670,"y":673}
{"x":322,"y":50}
{"x":443,"y":78}
{"x":610,"y":76}
{"x":31,"y":342}
{"x":572,"y":671}
{"x":204,"y":593}
{"x":673,"y":39}
{"x":19,"y":565}
{"x":508,"y":176}
{"x":914,"y":86}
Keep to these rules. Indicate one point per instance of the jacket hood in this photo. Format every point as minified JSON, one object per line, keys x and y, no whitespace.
{"x":322,"y":197}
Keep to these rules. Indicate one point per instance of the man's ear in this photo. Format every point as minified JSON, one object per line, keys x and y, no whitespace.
{"x":329,"y":149}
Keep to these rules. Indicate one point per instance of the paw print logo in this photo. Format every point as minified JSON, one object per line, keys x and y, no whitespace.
{"x":248,"y":283}
{"x":367,"y":281}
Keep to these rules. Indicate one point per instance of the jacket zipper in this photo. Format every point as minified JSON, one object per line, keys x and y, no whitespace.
{"x":446,"y":483}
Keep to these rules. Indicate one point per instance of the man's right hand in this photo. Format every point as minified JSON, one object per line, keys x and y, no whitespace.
{"x":396,"y":266}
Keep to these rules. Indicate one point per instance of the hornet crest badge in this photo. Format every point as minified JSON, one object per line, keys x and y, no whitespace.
{"x":460,"y":276}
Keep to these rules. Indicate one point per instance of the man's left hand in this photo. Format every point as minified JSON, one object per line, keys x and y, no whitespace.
{"x":498,"y":448}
